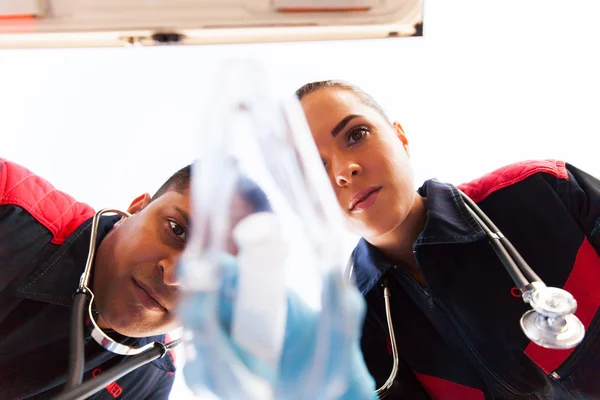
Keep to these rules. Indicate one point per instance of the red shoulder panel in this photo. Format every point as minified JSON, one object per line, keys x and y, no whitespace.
{"x":57,"y":211}
{"x":481,"y":188}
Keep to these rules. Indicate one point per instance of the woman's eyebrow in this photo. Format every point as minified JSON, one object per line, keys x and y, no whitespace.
{"x":342,"y":124}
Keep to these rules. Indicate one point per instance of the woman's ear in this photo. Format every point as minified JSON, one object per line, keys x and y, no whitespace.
{"x":139,"y":203}
{"x":401,"y":135}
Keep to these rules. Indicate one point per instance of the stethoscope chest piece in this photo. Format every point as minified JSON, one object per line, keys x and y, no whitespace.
{"x":551,"y":323}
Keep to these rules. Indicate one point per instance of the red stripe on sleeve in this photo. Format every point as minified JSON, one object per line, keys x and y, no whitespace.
{"x":443,"y":389}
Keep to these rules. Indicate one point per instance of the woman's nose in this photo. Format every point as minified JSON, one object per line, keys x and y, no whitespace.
{"x":346,"y":173}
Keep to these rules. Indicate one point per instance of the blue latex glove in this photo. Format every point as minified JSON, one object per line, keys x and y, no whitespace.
{"x":221,"y":367}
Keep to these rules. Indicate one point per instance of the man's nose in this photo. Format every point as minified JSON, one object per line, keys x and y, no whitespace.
{"x":168,"y":267}
{"x":345,"y":171}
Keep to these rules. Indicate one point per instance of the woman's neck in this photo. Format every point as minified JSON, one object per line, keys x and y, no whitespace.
{"x":397,"y":244}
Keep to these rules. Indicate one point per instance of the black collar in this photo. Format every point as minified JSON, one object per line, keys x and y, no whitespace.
{"x":448,"y":222}
{"x":56,"y":281}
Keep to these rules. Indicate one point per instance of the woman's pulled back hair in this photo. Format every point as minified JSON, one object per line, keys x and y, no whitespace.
{"x":364,"y":97}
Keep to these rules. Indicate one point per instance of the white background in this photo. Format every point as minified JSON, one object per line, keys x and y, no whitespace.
{"x":491,"y":82}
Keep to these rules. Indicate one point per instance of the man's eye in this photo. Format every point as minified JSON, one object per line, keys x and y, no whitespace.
{"x":178,"y":230}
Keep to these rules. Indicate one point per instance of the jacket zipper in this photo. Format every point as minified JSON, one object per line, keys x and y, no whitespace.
{"x":433,"y":300}
{"x":573,"y":359}
{"x":507,"y":387}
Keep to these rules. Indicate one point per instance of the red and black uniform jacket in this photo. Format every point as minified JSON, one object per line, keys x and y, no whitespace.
{"x":460,"y":337}
{"x":44,"y":242}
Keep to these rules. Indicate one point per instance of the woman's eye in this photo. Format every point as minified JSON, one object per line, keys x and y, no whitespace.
{"x":178,"y":230}
{"x":357,"y":134}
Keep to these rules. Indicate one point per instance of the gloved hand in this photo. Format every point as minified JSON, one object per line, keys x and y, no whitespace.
{"x":218,"y":365}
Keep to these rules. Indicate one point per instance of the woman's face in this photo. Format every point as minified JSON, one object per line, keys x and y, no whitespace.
{"x":366,"y":159}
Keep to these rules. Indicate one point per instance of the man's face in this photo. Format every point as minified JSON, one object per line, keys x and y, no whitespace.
{"x":135,"y":280}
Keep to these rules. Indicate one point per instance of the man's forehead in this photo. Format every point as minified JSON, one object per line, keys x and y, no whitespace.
{"x":173,"y":198}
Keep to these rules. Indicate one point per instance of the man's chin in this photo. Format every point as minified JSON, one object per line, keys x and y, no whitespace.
{"x":130,"y":327}
{"x":137,"y":332}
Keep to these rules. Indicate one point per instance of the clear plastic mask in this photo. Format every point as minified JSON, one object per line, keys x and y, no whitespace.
{"x":264,"y":256}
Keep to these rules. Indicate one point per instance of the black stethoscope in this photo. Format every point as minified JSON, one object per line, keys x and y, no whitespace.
{"x":550,"y":323}
{"x":74,"y":388}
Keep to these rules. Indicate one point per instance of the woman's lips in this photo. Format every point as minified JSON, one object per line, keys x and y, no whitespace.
{"x":365,"y":198}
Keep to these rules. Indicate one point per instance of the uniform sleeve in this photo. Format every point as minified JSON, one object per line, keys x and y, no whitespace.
{"x":162,"y":388}
{"x":33,"y":216}
{"x":21,"y":236}
{"x":581,"y":195}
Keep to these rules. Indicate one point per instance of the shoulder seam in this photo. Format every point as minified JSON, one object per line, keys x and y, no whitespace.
{"x":474,"y":188}
{"x":59,"y":227}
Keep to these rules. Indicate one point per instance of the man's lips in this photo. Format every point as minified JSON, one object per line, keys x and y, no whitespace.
{"x":152,"y":299}
{"x":362,"y":196}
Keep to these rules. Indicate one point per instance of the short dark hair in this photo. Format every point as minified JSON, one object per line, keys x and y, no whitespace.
{"x":247,"y":188}
{"x":252,"y":194}
{"x":179,"y":181}
{"x":366,"y":98}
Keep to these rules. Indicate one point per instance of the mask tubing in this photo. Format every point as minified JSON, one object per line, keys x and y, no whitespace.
{"x":76,"y":344}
